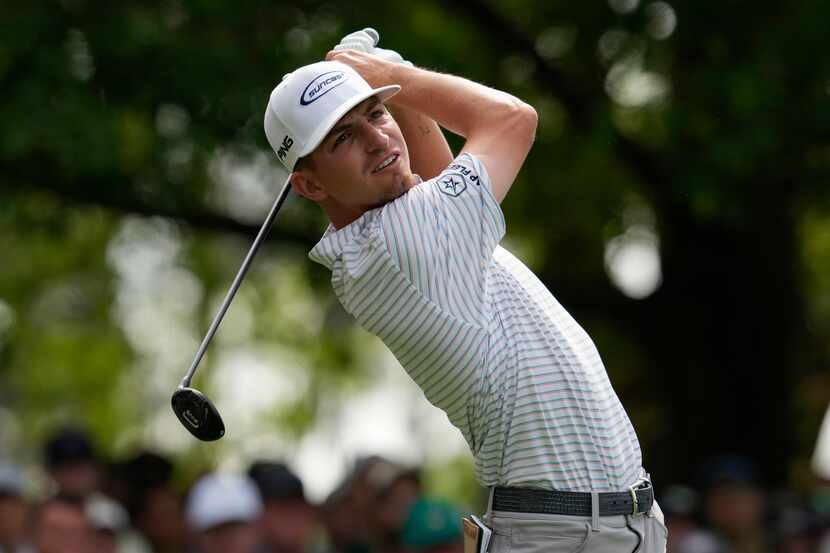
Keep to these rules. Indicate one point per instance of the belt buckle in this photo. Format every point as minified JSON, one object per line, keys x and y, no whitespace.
{"x":635,"y":504}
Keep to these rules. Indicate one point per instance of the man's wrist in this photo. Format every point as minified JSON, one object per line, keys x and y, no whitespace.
{"x":386,"y":73}
{"x":400,"y":74}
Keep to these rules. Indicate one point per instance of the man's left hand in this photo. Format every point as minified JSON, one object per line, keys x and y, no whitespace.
{"x":366,"y":41}
{"x":376,"y":70}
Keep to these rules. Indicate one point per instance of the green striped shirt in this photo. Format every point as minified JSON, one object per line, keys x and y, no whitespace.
{"x":482,"y":336}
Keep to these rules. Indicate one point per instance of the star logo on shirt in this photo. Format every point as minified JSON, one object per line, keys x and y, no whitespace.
{"x":452,"y":185}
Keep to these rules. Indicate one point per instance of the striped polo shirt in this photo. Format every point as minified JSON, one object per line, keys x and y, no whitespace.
{"x":482,"y":336}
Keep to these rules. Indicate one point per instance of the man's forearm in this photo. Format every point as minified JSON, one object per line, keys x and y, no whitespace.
{"x":429,"y":152}
{"x":457,"y":104}
{"x":499,"y":129}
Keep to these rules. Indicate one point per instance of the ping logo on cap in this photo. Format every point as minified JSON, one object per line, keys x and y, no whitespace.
{"x":287,"y":142}
{"x":321,"y":85}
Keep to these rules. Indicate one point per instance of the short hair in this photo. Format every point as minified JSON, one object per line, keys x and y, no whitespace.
{"x":304,"y":162}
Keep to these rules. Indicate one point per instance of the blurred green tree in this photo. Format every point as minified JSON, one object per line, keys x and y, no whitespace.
{"x":691,"y":139}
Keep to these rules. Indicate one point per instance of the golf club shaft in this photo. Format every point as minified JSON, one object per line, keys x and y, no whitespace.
{"x":263,"y":232}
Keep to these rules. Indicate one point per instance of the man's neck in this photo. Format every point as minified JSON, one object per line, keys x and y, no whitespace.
{"x":340,"y":219}
{"x":341,"y":216}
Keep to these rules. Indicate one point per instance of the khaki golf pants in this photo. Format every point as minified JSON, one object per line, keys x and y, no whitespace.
{"x":539,"y":533}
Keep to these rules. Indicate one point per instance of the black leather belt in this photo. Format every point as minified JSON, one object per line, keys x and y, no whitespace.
{"x":526,"y":500}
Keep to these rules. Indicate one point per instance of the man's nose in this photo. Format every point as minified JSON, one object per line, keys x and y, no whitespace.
{"x":376,"y":139}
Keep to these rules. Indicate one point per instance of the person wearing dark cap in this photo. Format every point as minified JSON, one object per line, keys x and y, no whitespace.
{"x":155,"y":507}
{"x":289,"y":523}
{"x":735,"y":503}
{"x":13,"y":508}
{"x":72,"y":464}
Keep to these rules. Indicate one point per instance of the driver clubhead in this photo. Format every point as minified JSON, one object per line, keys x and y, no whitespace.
{"x":197,"y":414}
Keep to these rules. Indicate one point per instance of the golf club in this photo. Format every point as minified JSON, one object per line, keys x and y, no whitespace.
{"x":195,"y":411}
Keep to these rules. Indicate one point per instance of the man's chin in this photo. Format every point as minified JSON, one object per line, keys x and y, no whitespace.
{"x":401,"y":187}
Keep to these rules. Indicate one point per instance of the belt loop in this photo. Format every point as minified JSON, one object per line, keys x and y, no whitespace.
{"x":634,"y":504}
{"x":488,"y":515}
{"x":595,"y":511}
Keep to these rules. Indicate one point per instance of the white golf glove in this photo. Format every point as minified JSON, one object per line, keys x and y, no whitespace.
{"x":366,"y":41}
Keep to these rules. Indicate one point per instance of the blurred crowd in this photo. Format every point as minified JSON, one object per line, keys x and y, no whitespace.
{"x":730,"y":511}
{"x":136,"y":505}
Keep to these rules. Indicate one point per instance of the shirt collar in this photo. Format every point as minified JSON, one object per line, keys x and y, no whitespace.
{"x":330,"y":246}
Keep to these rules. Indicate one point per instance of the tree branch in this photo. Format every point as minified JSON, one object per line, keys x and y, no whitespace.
{"x":579,"y":99}
{"x":87,"y":191}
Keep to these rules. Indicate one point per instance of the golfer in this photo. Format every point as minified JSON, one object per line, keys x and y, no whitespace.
{"x":413,"y":248}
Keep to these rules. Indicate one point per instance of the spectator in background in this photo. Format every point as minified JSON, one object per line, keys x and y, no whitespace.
{"x":223,"y":510}
{"x":289,"y":523}
{"x":13,"y":509}
{"x":820,"y":502}
{"x":681,"y":506}
{"x":59,"y":525}
{"x":344,"y":514}
{"x":735,"y":504}
{"x":109,"y":524}
{"x":72,"y":464}
{"x":432,"y":526}
{"x":350,"y":512}
{"x":797,"y":528}
{"x":154,"y":506}
{"x":395,"y":488}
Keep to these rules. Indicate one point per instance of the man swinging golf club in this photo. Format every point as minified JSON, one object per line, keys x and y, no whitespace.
{"x":418,"y":263}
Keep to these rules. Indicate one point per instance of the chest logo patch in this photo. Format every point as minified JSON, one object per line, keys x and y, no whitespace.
{"x":452,"y":184}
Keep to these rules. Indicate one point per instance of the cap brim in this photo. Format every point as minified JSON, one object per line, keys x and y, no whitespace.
{"x":383,"y":93}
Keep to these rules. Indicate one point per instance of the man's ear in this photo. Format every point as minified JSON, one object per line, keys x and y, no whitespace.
{"x":305,"y":184}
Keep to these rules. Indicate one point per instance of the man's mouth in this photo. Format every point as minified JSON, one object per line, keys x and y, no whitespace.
{"x":386,"y":163}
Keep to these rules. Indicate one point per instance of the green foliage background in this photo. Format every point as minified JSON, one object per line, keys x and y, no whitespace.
{"x":113,"y":116}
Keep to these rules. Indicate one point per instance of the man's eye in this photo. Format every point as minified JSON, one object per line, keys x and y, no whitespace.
{"x":340,"y":138}
{"x":377,"y":114}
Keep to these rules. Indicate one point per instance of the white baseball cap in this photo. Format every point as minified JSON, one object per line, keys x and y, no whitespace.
{"x":307,"y":104}
{"x":220,"y":498}
{"x":105,"y":513}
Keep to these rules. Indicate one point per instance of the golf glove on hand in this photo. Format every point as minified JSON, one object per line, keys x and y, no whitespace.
{"x":366,"y":41}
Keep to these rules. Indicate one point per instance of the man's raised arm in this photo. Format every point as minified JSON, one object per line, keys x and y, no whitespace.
{"x":499,"y":129}
{"x":429,"y":153}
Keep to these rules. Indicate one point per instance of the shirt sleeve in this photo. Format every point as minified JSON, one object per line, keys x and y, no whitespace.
{"x":442,"y":235}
